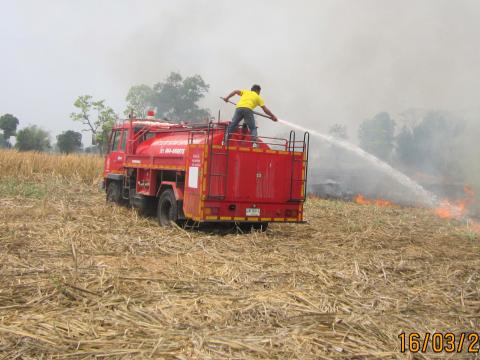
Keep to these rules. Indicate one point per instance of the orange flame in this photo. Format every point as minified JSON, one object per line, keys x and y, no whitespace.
{"x":360,"y":199}
{"x":448,"y":210}
{"x":458,"y":210}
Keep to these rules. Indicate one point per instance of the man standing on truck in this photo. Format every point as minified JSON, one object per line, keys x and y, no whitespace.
{"x":249,"y":100}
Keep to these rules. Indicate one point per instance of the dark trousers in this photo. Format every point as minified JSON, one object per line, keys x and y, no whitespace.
{"x":242,"y":114}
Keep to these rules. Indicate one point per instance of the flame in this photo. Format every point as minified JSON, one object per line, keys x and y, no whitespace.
{"x":360,"y":199}
{"x":448,"y":210}
{"x":458,"y":210}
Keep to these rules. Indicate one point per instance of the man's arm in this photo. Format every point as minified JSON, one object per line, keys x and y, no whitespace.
{"x":233,"y":93}
{"x":269,"y":113}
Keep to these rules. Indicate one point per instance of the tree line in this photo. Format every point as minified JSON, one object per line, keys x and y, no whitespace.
{"x":34,"y":138}
{"x":433,"y":143}
{"x":174,"y":99}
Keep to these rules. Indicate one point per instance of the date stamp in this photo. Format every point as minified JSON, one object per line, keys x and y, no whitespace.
{"x":466,"y":342}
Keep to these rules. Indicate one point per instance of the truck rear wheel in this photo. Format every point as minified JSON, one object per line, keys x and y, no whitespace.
{"x":114,"y":192}
{"x":167,"y":208}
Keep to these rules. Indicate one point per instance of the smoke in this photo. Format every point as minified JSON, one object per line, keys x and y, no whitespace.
{"x":319,"y":62}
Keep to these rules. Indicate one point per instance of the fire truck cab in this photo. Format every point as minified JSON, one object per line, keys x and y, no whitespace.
{"x":185,"y":173}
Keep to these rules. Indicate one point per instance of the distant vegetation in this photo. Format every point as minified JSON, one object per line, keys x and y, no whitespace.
{"x":69,"y":142}
{"x":176,"y":99}
{"x":434,"y":143}
{"x":96,"y":117}
{"x":377,"y":135}
{"x":32,"y":138}
{"x":339,"y":131}
{"x":8,"y":125}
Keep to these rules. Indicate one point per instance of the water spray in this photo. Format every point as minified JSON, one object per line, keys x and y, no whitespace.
{"x":425,"y":197}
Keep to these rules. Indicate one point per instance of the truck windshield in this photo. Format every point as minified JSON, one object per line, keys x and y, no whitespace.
{"x":115,"y":139}
{"x":124,"y":140}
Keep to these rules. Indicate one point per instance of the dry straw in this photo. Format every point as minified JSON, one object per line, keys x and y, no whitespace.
{"x":35,"y":165}
{"x":80,"y":279}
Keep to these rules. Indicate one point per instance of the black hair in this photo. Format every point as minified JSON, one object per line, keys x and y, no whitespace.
{"x":256,"y":88}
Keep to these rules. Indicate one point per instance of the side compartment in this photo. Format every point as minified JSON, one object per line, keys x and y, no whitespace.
{"x":195,"y":181}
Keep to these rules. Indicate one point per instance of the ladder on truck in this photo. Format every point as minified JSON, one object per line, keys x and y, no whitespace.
{"x":295,"y":176}
{"x":216,"y":156}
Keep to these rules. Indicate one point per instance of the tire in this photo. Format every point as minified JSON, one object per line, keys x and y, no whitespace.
{"x":167,"y":208}
{"x":114,"y":192}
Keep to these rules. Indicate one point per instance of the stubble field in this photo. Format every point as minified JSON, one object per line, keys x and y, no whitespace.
{"x":83,"y":279}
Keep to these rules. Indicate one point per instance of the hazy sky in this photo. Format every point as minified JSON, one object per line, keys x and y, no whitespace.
{"x":319,"y":62}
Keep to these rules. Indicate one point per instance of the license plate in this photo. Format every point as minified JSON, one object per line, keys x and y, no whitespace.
{"x":253,"y":212}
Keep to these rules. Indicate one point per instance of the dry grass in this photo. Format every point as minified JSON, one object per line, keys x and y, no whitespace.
{"x":81,"y":279}
{"x":34,"y":166}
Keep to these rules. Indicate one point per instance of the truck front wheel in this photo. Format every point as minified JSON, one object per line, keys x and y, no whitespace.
{"x":114,"y":192}
{"x":167,"y":208}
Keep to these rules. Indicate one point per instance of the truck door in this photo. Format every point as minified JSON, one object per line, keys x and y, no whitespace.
{"x":115,"y":157}
{"x":194,"y":182}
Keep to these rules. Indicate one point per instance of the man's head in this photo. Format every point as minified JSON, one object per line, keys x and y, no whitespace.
{"x":256,"y":88}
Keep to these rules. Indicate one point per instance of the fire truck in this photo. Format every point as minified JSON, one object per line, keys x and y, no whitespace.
{"x":187,"y":174}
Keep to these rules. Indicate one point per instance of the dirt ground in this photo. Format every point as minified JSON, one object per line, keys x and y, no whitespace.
{"x":83,"y":279}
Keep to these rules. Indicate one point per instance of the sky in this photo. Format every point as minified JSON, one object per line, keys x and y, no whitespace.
{"x":319,"y":62}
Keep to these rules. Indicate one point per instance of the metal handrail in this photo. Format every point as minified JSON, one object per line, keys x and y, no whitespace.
{"x":191,"y":135}
{"x":291,"y":142}
{"x":306,"y":151}
{"x":284,"y":146}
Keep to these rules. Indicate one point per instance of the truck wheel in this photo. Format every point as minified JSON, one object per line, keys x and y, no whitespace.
{"x":114,"y":192}
{"x":167,"y":208}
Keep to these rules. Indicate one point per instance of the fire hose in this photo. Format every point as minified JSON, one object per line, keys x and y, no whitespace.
{"x":255,"y":112}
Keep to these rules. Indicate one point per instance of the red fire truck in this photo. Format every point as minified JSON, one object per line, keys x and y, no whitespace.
{"x":185,"y":173}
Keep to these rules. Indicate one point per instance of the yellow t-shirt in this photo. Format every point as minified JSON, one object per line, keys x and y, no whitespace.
{"x":250,"y":99}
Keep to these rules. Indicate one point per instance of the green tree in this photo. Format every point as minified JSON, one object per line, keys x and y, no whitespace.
{"x":406,"y":147}
{"x":8,"y":124}
{"x":97,"y":118}
{"x":376,"y":135}
{"x":139,"y":100}
{"x":176,"y":98}
{"x":339,"y":131}
{"x":32,"y":138}
{"x":69,"y":141}
{"x":437,"y":144}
